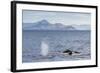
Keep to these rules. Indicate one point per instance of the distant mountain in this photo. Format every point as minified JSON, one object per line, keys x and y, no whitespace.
{"x":45,"y":25}
{"x":82,"y":27}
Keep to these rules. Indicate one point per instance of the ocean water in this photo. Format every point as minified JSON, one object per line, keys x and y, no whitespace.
{"x":57,"y":41}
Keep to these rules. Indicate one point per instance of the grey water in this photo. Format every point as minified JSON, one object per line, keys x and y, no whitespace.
{"x":58,"y":41}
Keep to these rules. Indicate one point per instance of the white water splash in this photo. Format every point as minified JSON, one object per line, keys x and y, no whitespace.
{"x":44,"y":48}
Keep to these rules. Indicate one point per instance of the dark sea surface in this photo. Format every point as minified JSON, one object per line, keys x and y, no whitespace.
{"x":57,"y":42}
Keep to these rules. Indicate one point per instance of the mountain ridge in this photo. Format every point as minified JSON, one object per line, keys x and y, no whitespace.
{"x":45,"y":25}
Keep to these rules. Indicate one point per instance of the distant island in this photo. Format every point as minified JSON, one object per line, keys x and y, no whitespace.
{"x":45,"y":25}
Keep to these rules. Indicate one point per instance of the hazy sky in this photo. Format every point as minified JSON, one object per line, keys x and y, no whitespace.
{"x":66,"y":18}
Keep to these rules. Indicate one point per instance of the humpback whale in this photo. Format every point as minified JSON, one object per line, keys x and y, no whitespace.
{"x":69,"y":52}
